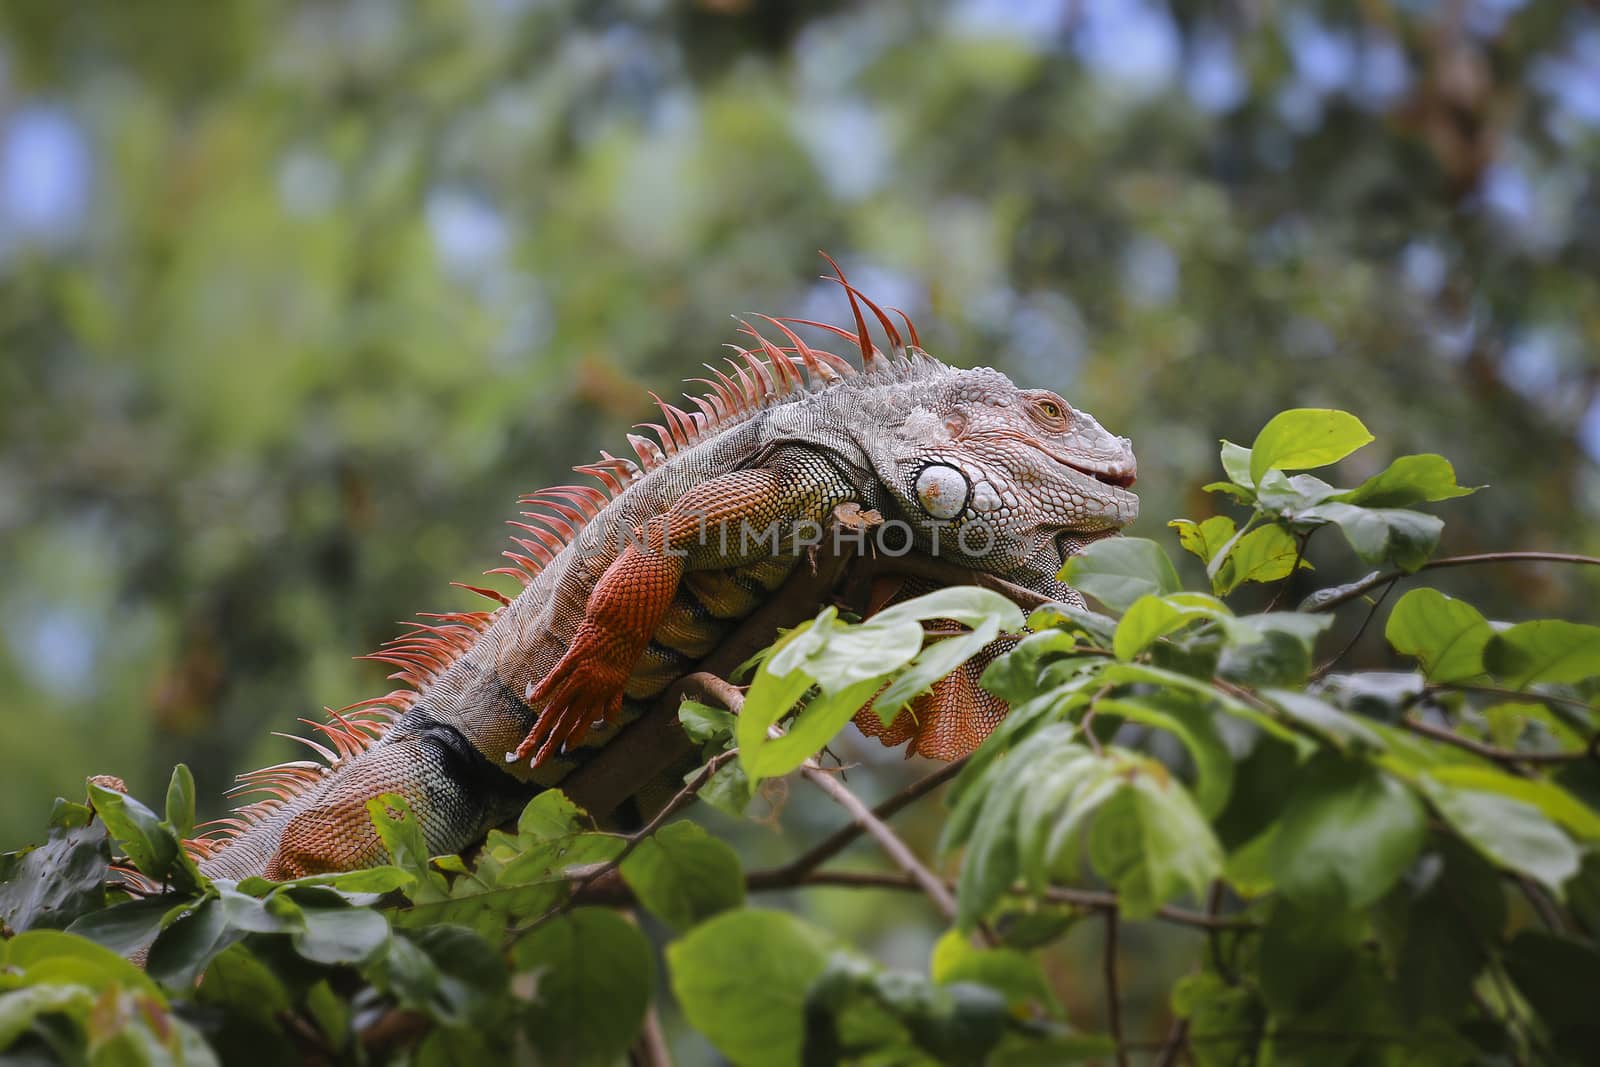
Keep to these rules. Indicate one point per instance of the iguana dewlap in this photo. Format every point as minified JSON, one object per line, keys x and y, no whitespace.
{"x":627,"y":584}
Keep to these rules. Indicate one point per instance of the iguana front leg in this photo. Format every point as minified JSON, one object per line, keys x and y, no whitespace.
{"x":720,"y":523}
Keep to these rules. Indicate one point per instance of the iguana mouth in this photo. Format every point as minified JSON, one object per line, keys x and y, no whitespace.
{"x":1121,"y":480}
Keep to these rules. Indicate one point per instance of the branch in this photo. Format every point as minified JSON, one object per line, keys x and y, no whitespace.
{"x":837,"y":841}
{"x":896,"y":849}
{"x":1375,"y":579}
{"x":1328,"y":664}
{"x":1505,"y":757}
{"x":1113,"y":989}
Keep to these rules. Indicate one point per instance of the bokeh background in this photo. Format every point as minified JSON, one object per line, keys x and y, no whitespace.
{"x":295,"y":298}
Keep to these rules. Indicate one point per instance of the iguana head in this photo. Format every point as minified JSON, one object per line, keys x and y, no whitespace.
{"x":1012,"y":480}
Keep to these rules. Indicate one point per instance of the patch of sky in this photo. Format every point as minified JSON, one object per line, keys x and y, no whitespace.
{"x":1424,"y":267}
{"x":1299,"y":105}
{"x":1570,"y":80}
{"x":830,"y":52}
{"x":46,"y":170}
{"x":1034,"y":24}
{"x":1538,"y":363}
{"x":519,"y":301}
{"x":1535,"y":207}
{"x":1212,"y":75}
{"x":1133,"y":45}
{"x":308,"y":183}
{"x":1487,"y":18}
{"x":1045,"y":338}
{"x":1324,"y":58}
{"x":847,"y":142}
{"x":1150,"y":272}
{"x":469,"y":233}
{"x":1589,"y":430}
{"x":1383,"y":74}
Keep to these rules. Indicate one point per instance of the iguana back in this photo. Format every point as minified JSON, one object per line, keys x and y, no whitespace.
{"x":629,"y":583}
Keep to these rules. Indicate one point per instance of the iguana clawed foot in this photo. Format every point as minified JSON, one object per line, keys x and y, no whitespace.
{"x":582,"y":690}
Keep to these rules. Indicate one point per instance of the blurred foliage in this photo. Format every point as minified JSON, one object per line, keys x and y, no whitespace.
{"x":296,"y":298}
{"x":1395,"y":867}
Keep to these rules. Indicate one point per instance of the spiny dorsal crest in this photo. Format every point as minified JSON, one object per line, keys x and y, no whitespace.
{"x":758,"y":376}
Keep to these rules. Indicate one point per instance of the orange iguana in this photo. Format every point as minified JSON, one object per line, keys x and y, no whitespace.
{"x":630,"y":582}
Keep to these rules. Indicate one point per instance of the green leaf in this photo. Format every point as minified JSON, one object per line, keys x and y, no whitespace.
{"x":367,"y":880}
{"x":940,"y":658}
{"x":1150,"y":841}
{"x":1556,"y":803}
{"x":1409,"y":480}
{"x":743,"y":980}
{"x":54,"y":957}
{"x":401,"y":833}
{"x":1265,"y":554}
{"x":593,"y":972}
{"x":1509,"y":832}
{"x":1346,"y":834}
{"x":549,"y":816}
{"x":238,"y":981}
{"x":1184,"y":717}
{"x":1558,"y":977}
{"x":1015,"y":975}
{"x":1304,"y":438}
{"x":180,"y":801}
{"x":1447,"y":635}
{"x":1204,"y":539}
{"x":50,"y":886}
{"x":704,"y":723}
{"x":812,"y":729}
{"x":1152,"y":617}
{"x":152,"y":847}
{"x":1407,"y":537}
{"x":1119,"y":570}
{"x":1223,"y":1019}
{"x":189,"y":943}
{"x":1546,"y":650}
{"x":126,"y":927}
{"x":1236,"y":463}
{"x":341,"y":935}
{"x":684,"y":875}
{"x":1305,"y":954}
{"x":470,"y":986}
{"x":1284,"y":495}
{"x":1342,"y":727}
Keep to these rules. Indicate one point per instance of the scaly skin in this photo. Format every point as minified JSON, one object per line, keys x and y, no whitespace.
{"x":627,"y":589}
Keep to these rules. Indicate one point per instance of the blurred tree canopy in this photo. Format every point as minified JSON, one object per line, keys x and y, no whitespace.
{"x":296,"y":298}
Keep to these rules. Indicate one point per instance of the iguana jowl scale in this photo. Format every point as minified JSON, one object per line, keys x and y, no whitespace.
{"x":629,"y":584}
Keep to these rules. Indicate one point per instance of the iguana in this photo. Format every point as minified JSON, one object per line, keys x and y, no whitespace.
{"x":629,"y":582}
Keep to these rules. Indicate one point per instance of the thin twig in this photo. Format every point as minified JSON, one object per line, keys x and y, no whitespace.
{"x":1357,"y":588}
{"x":1507,"y":757}
{"x":1113,"y":989}
{"x":1177,"y":1040}
{"x":896,"y":849}
{"x":616,"y":893}
{"x":841,"y":838}
{"x":1328,"y":664}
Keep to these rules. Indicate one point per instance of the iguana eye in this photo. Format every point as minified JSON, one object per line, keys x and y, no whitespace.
{"x":1049,"y":410}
